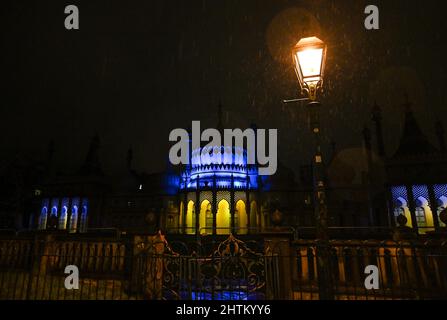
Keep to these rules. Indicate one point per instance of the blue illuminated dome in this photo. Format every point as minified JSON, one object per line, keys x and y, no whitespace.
{"x":220,"y":167}
{"x":218,"y":190}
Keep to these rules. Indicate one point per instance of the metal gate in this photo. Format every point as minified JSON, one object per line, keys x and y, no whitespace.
{"x":232,"y":271}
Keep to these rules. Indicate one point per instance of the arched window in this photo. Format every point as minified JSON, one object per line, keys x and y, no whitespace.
{"x":204,"y":216}
{"x":241,"y":218}
{"x":181,"y":216}
{"x":74,"y":219}
{"x":223,"y":217}
{"x":52,"y":219}
{"x":63,"y":218}
{"x":420,"y":217}
{"x":209,"y":218}
{"x":424,"y":216}
{"x":190,"y":218}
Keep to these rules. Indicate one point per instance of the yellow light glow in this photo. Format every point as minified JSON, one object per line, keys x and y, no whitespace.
{"x":310,"y":63}
{"x":223,"y":218}
{"x":309,"y":56}
{"x":202,"y":218}
{"x":242,"y":215}
{"x":190,"y":221}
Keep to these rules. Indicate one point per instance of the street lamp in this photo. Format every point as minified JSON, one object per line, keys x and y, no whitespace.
{"x":309,"y":56}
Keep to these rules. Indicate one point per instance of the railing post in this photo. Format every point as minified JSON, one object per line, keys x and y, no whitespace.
{"x":281,"y":247}
{"x":325,"y":283}
{"x":149,"y":257}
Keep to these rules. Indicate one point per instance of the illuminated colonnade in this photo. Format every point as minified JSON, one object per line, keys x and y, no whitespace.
{"x":420,"y":204}
{"x":219,"y":221}
{"x":219,"y":197}
{"x":65,"y":211}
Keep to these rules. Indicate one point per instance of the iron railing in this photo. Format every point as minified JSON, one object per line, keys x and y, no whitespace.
{"x":208,"y":267}
{"x":406,"y":270}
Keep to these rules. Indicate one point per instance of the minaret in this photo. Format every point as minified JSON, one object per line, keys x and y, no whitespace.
{"x":369,"y":174}
{"x":377,"y":119}
{"x":439,"y":128}
{"x":368,"y":149}
{"x":412,"y":136}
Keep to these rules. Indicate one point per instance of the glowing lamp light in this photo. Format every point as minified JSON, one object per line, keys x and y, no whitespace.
{"x":309,"y":56}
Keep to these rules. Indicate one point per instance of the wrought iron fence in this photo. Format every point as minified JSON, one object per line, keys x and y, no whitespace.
{"x":406,"y":270}
{"x":36,"y":269}
{"x":227,"y":270}
{"x":144,"y":267}
{"x":148,"y":267}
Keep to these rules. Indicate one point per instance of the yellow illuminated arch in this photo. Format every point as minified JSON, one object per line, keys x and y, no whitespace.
{"x":242,"y":217}
{"x":190,"y":218}
{"x":223,"y":218}
{"x":424,"y":220}
{"x":205,"y":208}
{"x":181,"y":216}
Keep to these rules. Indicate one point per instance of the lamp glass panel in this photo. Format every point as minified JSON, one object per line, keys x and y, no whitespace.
{"x":310,"y":63}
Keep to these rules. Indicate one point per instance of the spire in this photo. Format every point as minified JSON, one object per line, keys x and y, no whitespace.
{"x":413,"y":141}
{"x":91,"y":164}
{"x":377,"y":119}
{"x":367,"y":149}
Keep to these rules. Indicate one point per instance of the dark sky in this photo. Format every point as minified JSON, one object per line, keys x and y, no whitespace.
{"x":138,"y":69}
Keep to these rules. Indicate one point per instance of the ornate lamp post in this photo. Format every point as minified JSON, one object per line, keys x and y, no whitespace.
{"x":309,"y":56}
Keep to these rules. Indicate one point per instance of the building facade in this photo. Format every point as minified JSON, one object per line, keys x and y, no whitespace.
{"x":215,"y":198}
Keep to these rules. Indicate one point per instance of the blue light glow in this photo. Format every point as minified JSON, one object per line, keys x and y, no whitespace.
{"x":399,"y":192}
{"x":225,"y":295}
{"x":219,"y":167}
{"x":440,"y":190}
{"x":420,"y":191}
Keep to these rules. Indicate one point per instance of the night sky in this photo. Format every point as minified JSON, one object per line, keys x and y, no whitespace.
{"x":138,"y":69}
